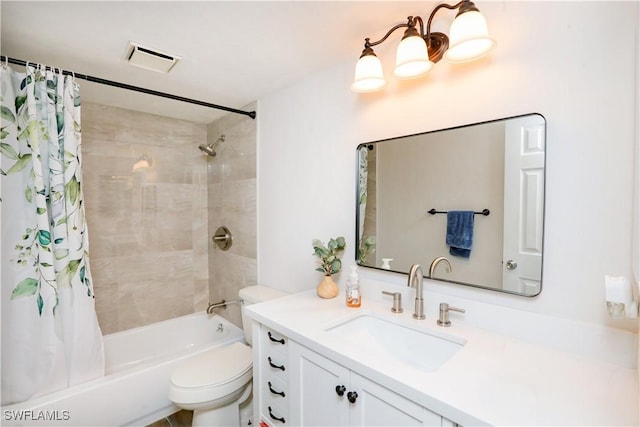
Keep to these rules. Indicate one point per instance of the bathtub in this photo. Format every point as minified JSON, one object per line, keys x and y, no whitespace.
{"x":135,"y":388}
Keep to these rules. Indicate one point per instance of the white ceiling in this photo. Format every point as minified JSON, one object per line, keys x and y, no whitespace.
{"x":233,"y":52}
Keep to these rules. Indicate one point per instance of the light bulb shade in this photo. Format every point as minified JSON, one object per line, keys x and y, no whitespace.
{"x":412,"y":58}
{"x":468,"y":38}
{"x":141,"y":164}
{"x":369,"y":77}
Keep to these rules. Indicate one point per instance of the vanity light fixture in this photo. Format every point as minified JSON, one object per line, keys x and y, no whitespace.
{"x":417,"y":52}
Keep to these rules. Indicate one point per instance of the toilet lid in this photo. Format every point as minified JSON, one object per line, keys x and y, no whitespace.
{"x":214,"y":367}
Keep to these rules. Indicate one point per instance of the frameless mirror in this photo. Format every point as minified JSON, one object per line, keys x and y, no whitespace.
{"x":412,"y":192}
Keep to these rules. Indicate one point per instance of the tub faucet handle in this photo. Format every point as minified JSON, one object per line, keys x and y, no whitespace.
{"x":397,"y":301}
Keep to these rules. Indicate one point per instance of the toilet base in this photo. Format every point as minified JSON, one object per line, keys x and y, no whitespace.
{"x":227,"y":415}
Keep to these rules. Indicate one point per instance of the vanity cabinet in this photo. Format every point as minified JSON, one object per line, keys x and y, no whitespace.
{"x":296,"y":386}
{"x":325,"y":393}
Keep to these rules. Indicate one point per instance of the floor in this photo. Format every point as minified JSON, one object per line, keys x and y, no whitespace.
{"x":184,"y":418}
{"x":179,"y":419}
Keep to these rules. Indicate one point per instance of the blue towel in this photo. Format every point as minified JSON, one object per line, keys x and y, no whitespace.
{"x":460,"y":233}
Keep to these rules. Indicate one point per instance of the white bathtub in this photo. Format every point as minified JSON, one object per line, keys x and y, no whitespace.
{"x":135,"y":388}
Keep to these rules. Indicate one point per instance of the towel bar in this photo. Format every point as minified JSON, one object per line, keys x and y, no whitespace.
{"x":484,"y":212}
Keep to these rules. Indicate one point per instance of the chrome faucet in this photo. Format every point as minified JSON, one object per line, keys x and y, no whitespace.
{"x":435,"y":263}
{"x":415,"y":281}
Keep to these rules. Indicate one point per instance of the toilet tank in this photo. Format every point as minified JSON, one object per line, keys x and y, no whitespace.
{"x":253,"y":295}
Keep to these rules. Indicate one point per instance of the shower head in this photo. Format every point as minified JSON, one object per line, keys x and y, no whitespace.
{"x":210,"y":149}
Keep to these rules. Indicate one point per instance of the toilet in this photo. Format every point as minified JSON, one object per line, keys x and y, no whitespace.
{"x":215,"y":383}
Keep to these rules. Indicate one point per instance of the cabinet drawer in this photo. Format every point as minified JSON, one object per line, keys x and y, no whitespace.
{"x":272,"y":340}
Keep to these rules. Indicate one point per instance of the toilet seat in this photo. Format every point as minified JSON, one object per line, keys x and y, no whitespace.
{"x":214,"y":374}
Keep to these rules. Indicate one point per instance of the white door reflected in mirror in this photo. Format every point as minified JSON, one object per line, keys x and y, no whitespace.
{"x":523,"y":204}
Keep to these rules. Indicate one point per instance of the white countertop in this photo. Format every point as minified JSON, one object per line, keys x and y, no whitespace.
{"x":493,"y":380}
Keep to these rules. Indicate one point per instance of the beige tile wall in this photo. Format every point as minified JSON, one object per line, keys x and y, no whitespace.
{"x":147,"y":228}
{"x":232,"y":202}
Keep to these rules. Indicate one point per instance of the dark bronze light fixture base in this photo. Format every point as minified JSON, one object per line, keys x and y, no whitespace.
{"x":437,"y":45}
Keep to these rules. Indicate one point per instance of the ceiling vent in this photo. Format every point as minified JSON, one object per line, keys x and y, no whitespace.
{"x":150,"y":59}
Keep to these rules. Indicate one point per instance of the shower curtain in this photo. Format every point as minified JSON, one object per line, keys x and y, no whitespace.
{"x":50,"y":333}
{"x":366,"y":245}
{"x":363,"y":176}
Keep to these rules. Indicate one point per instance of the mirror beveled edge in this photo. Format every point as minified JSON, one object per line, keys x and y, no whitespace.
{"x":426,"y":267}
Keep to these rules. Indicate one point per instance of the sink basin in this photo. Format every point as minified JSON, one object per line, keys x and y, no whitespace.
{"x":397,"y":343}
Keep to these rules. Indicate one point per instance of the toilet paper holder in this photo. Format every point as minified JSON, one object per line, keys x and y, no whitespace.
{"x":620,"y":299}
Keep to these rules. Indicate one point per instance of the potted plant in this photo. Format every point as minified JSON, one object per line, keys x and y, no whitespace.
{"x":330,"y":264}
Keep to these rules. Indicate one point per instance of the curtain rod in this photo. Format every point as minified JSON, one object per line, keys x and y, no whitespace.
{"x":99,"y":80}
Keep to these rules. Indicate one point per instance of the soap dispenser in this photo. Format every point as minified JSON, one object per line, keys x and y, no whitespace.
{"x":354,"y":298}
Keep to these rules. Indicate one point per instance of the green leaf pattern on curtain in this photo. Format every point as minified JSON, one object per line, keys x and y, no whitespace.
{"x":40,"y":140}
{"x":363,"y":176}
{"x":54,"y":340}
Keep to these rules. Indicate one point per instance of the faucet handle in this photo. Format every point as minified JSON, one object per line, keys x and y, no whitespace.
{"x":397,"y":301}
{"x":443,"y":319}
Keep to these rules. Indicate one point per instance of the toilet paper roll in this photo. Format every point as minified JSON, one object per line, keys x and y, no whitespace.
{"x":619,"y":297}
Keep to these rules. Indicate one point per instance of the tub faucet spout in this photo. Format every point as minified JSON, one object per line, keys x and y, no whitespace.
{"x":415,"y":281}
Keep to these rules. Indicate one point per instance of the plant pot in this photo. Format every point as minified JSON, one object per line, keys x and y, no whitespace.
{"x":327,"y":288}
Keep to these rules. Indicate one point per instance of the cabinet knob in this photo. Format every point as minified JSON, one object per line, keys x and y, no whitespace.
{"x":352,"y":396}
{"x":340,"y":389}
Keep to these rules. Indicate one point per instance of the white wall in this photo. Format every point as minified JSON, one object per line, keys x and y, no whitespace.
{"x":573,"y":63}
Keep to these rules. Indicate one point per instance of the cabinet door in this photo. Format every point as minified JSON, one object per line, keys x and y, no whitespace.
{"x":379,"y":406}
{"x":324,"y":393}
{"x":316,"y":400}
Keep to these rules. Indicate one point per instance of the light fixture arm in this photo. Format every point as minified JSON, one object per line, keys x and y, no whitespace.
{"x":410,"y":23}
{"x":437,"y":43}
{"x":433,"y":13}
